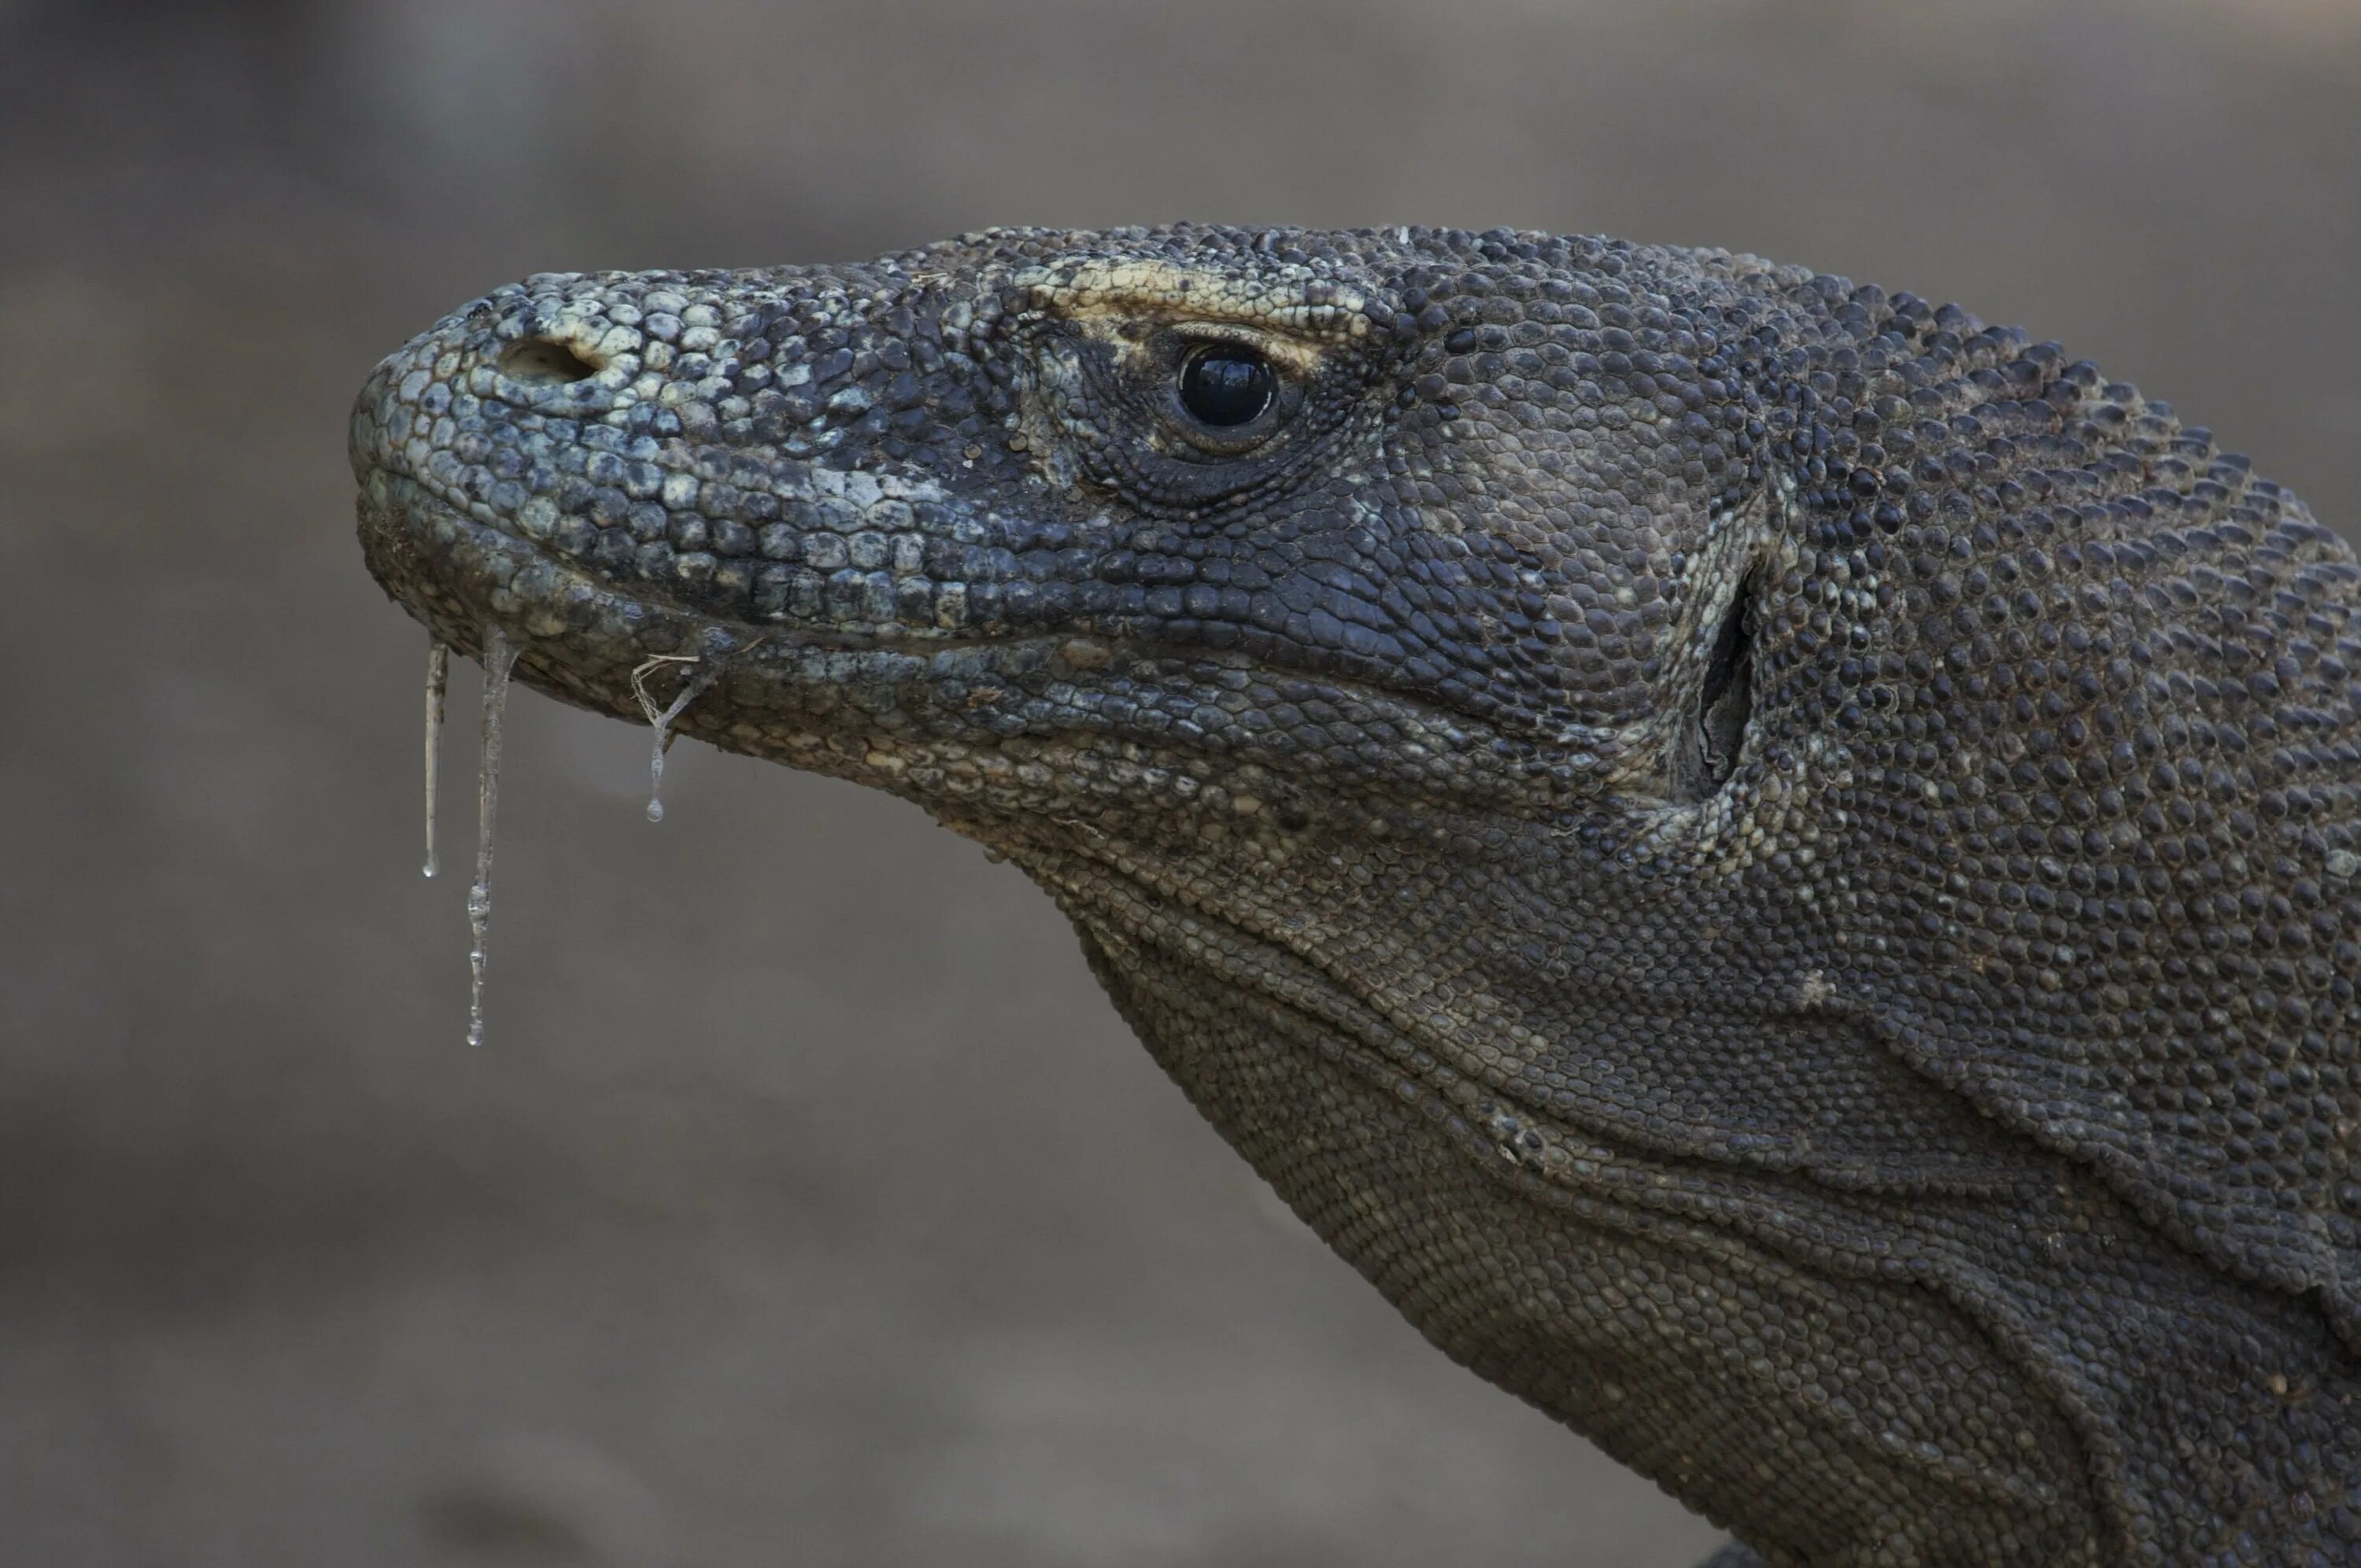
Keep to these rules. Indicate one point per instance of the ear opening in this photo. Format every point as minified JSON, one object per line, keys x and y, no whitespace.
{"x":1716,"y":732}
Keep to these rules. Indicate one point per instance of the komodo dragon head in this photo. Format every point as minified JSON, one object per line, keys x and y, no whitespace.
{"x":1773,"y":865}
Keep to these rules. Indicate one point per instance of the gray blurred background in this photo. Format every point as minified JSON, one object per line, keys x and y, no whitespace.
{"x":806,"y":1203}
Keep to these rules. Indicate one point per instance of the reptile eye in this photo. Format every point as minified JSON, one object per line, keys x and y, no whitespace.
{"x":1225,"y":386}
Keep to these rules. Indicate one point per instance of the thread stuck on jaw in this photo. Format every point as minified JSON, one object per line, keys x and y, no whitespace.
{"x":500,"y":658}
{"x":438,"y":682}
{"x":660,"y":720}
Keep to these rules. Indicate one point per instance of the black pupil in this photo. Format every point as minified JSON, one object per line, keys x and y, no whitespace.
{"x":1226,"y":386}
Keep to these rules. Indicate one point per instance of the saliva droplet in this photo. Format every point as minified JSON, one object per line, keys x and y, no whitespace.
{"x":660,"y":720}
{"x":500,"y":658}
{"x":438,"y":681}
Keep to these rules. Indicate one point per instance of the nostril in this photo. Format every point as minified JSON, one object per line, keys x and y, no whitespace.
{"x":537,"y":362}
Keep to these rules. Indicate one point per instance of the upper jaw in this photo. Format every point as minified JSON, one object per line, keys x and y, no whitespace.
{"x":862,"y":599}
{"x":641,"y":472}
{"x":830,"y":601}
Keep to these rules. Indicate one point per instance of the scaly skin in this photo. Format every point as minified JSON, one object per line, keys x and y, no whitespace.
{"x":1775,"y":866}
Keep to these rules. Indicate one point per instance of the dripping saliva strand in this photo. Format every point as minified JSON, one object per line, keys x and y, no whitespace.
{"x":500,"y":658}
{"x":438,"y":682}
{"x":660,"y":718}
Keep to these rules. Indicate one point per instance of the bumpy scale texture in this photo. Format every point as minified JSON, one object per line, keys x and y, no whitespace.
{"x":1775,"y":866}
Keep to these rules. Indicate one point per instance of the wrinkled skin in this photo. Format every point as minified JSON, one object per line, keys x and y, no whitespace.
{"x":1776,"y":867}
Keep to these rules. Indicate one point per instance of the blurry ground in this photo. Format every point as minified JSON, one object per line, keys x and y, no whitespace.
{"x":808,"y":1205}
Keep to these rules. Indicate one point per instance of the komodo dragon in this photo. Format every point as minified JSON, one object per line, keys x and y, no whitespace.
{"x":1775,"y":865}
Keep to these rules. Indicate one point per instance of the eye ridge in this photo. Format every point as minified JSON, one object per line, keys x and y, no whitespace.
{"x":1226,"y":385}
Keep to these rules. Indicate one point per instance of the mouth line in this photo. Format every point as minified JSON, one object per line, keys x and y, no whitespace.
{"x":457,"y":574}
{"x":448,"y":531}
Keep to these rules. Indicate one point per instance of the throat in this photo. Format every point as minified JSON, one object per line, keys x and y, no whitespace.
{"x":1422,"y":1108}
